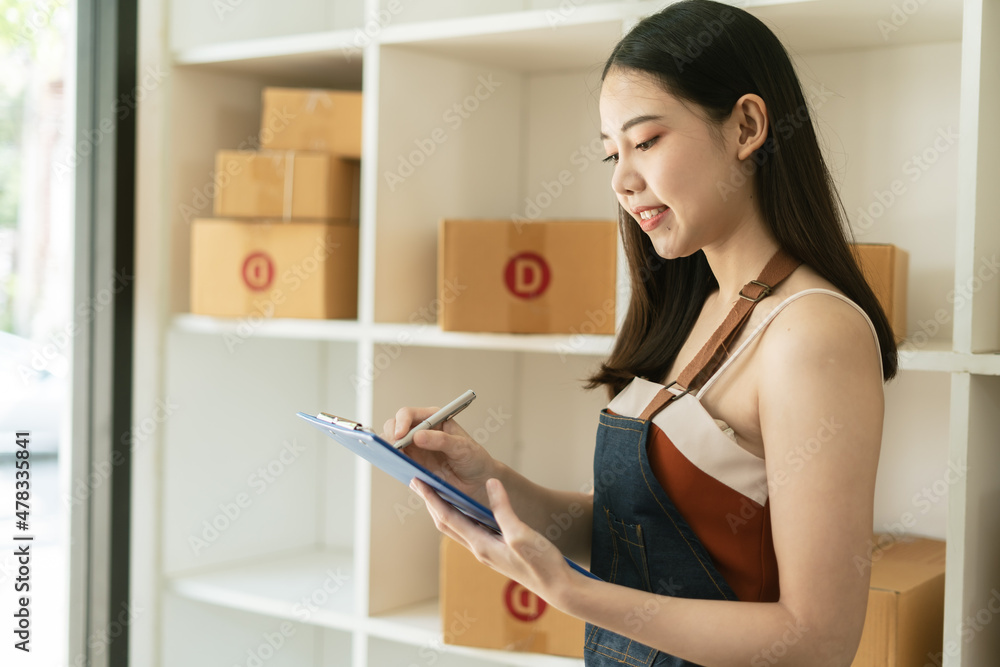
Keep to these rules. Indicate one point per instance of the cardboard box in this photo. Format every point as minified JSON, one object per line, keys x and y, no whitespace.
{"x":537,"y":277}
{"x":312,"y":120}
{"x":274,"y":269}
{"x":286,"y":185}
{"x":885,"y":268}
{"x":482,"y":608}
{"x":905,"y":620}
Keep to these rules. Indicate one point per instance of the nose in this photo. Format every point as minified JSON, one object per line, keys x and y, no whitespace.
{"x":626,"y":180}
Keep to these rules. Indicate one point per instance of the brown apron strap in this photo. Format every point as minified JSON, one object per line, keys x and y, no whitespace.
{"x":659,"y":401}
{"x":715,"y":351}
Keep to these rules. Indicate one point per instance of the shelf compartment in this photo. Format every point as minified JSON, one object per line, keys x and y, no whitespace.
{"x":915,"y":440}
{"x":897,"y":172}
{"x":419,"y":625}
{"x":229,"y":429}
{"x":306,"y":60}
{"x":314,"y":586}
{"x":196,"y":634}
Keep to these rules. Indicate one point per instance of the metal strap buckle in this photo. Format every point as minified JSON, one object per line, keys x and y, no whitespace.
{"x":765,"y":290}
{"x":676,"y":396}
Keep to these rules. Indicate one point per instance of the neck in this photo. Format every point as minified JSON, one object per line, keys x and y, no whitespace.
{"x":740,"y":257}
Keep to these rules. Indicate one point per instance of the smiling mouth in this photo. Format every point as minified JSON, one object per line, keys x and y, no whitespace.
{"x":649,"y":214}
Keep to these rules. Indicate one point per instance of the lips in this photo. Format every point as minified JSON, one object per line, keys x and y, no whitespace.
{"x":649,"y":213}
{"x":649,"y":217}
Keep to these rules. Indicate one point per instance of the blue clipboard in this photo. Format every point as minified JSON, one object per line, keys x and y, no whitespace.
{"x":369,"y":446}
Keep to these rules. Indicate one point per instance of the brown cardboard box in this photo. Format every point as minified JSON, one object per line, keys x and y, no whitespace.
{"x":905,"y":618}
{"x":274,"y":269}
{"x":537,"y":277}
{"x":286,"y":185}
{"x":312,"y":120}
{"x":480,"y":607}
{"x":885,"y":268}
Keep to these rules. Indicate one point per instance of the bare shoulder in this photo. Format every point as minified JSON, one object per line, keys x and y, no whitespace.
{"x":817,"y":330}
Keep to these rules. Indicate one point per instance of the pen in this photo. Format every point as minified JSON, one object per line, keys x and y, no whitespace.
{"x":442,"y":415}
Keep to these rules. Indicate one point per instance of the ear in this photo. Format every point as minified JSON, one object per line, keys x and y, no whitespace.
{"x":750,"y":115}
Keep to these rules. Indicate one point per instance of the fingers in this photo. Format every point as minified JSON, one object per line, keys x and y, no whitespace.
{"x":510,"y":525}
{"x":443,"y":514}
{"x":405,"y":419}
{"x":436,"y":441}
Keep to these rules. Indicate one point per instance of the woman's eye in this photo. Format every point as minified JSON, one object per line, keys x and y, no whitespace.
{"x":611,"y":158}
{"x":646,"y":145}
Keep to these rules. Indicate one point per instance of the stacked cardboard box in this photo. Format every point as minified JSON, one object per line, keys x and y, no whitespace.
{"x":284,"y":239}
{"x":482,"y":608}
{"x":905,"y":620}
{"x":546,"y":276}
{"x":885,"y":267}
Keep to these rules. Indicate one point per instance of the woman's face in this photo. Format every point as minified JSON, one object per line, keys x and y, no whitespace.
{"x":672,"y":171}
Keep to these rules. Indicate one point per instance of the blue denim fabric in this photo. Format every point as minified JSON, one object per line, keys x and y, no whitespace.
{"x":640,"y":540}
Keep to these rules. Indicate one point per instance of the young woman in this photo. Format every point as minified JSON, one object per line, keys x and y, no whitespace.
{"x":735,"y":464}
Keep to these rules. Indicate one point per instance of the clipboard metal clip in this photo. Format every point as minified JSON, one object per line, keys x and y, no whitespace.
{"x":340,"y":421}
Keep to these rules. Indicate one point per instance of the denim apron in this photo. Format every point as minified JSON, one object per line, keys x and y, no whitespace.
{"x":639,"y":538}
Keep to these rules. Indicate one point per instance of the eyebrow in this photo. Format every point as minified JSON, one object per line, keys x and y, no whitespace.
{"x":633,"y":122}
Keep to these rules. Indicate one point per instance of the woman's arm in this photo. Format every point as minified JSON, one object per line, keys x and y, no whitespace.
{"x":821,"y":407}
{"x":563,"y":518}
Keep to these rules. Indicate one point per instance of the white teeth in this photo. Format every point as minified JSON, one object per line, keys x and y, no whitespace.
{"x":653,"y":212}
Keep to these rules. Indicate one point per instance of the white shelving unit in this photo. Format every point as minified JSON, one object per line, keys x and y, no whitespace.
{"x":250,"y":532}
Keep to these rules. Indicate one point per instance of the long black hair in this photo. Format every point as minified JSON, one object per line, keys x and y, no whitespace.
{"x":711,"y":54}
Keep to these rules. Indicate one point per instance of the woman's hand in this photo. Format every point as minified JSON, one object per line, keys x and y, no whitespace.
{"x":446,"y":450}
{"x":521,"y":553}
